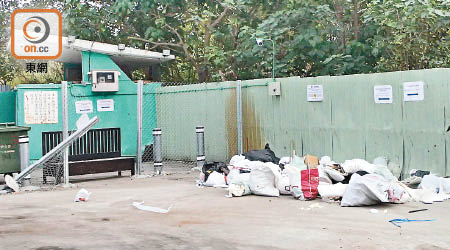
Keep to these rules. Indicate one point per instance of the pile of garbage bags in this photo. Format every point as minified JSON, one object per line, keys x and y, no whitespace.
{"x":354,"y":182}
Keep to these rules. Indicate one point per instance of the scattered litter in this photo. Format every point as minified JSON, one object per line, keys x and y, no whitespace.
{"x":315,"y":205}
{"x":355,"y":182}
{"x":412,"y":181}
{"x":238,"y":189}
{"x":370,"y":189}
{"x":10,"y":182}
{"x":418,"y":210}
{"x":419,"y":173}
{"x":264,"y":179}
{"x":396,"y":221}
{"x":439,"y":184}
{"x":141,"y":176}
{"x":82,"y":195}
{"x":375,"y":211}
{"x":235,"y":159}
{"x":210,"y":167}
{"x":332,"y":192}
{"x":199,"y":184}
{"x":30,"y":188}
{"x":312,"y":206}
{"x":264,"y":155}
{"x":140,"y":206}
{"x":215,"y":179}
{"x":4,"y":191}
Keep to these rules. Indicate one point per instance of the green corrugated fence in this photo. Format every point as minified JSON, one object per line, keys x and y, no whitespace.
{"x":347,"y":124}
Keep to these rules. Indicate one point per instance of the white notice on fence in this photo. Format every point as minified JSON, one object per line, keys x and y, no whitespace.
{"x":40,"y":107}
{"x":382,"y":93}
{"x":314,"y":93}
{"x":84,"y":107}
{"x":413,"y":91}
{"x":105,"y":105}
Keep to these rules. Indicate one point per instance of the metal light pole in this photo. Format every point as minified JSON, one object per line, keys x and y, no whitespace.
{"x":260,"y":42}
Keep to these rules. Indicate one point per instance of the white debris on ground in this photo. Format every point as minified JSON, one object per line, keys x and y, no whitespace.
{"x":141,"y":206}
{"x":355,"y":182}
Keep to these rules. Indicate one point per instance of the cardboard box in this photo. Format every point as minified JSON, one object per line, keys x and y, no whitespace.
{"x":311,"y":161}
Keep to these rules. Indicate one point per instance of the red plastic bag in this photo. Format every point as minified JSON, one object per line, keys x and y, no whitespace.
{"x":310,"y":182}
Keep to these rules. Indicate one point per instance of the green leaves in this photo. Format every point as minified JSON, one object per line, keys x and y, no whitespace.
{"x":312,"y":37}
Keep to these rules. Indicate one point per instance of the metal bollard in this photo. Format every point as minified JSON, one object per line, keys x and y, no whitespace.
{"x":200,"y":131}
{"x":157,"y":154}
{"x":24,"y":149}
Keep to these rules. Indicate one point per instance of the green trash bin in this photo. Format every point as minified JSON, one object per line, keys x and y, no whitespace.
{"x":9,"y":148}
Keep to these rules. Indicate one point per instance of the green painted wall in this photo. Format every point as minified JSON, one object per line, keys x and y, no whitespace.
{"x":8,"y":107}
{"x":123,"y":116}
{"x":346,"y":125}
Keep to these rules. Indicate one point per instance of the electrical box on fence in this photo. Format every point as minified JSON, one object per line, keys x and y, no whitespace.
{"x":105,"y":80}
{"x":274,"y":88}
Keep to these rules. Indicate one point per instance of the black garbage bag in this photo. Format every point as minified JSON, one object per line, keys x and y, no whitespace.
{"x":219,"y":167}
{"x":263,"y":155}
{"x":421,"y":173}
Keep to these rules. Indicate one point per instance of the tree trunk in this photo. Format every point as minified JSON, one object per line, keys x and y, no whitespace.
{"x":356,"y":8}
{"x":339,"y":16}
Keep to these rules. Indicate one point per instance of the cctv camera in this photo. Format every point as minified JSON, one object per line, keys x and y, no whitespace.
{"x":260,"y":42}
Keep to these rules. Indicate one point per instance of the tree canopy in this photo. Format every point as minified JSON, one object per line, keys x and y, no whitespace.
{"x":215,"y":40}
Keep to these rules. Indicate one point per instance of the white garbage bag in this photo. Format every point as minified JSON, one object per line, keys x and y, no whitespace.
{"x":283,"y":184}
{"x":323,"y":176}
{"x":435,"y":183}
{"x":238,"y":189}
{"x":445,"y":185}
{"x":365,"y":190}
{"x":215,"y":179}
{"x":235,"y":159}
{"x":384,"y":171}
{"x":431,"y":182}
{"x":381,"y":160}
{"x":295,"y":181}
{"x":355,"y":165}
{"x":264,"y":179}
{"x":381,"y":168}
{"x":334,"y":174}
{"x":285,"y":160}
{"x":236,"y":177}
{"x":298,"y":162}
{"x":325,"y":160}
{"x":238,"y":183}
{"x":327,"y":191}
{"x":234,"y":173}
{"x":246,"y":164}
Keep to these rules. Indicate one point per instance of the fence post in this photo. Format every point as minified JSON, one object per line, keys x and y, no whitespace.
{"x":65,"y":131}
{"x":200,"y":131}
{"x":157,"y":154}
{"x":24,"y":148}
{"x":239,"y":115}
{"x":139,"y":127}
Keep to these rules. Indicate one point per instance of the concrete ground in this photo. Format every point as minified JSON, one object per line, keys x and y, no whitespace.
{"x":202,"y":218}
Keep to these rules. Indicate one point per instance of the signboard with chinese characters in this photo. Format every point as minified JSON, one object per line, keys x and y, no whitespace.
{"x":84,"y":107}
{"x":382,"y":93}
{"x":41,"y":107}
{"x":413,"y":91}
{"x":104,"y":105}
{"x":314,"y":93}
